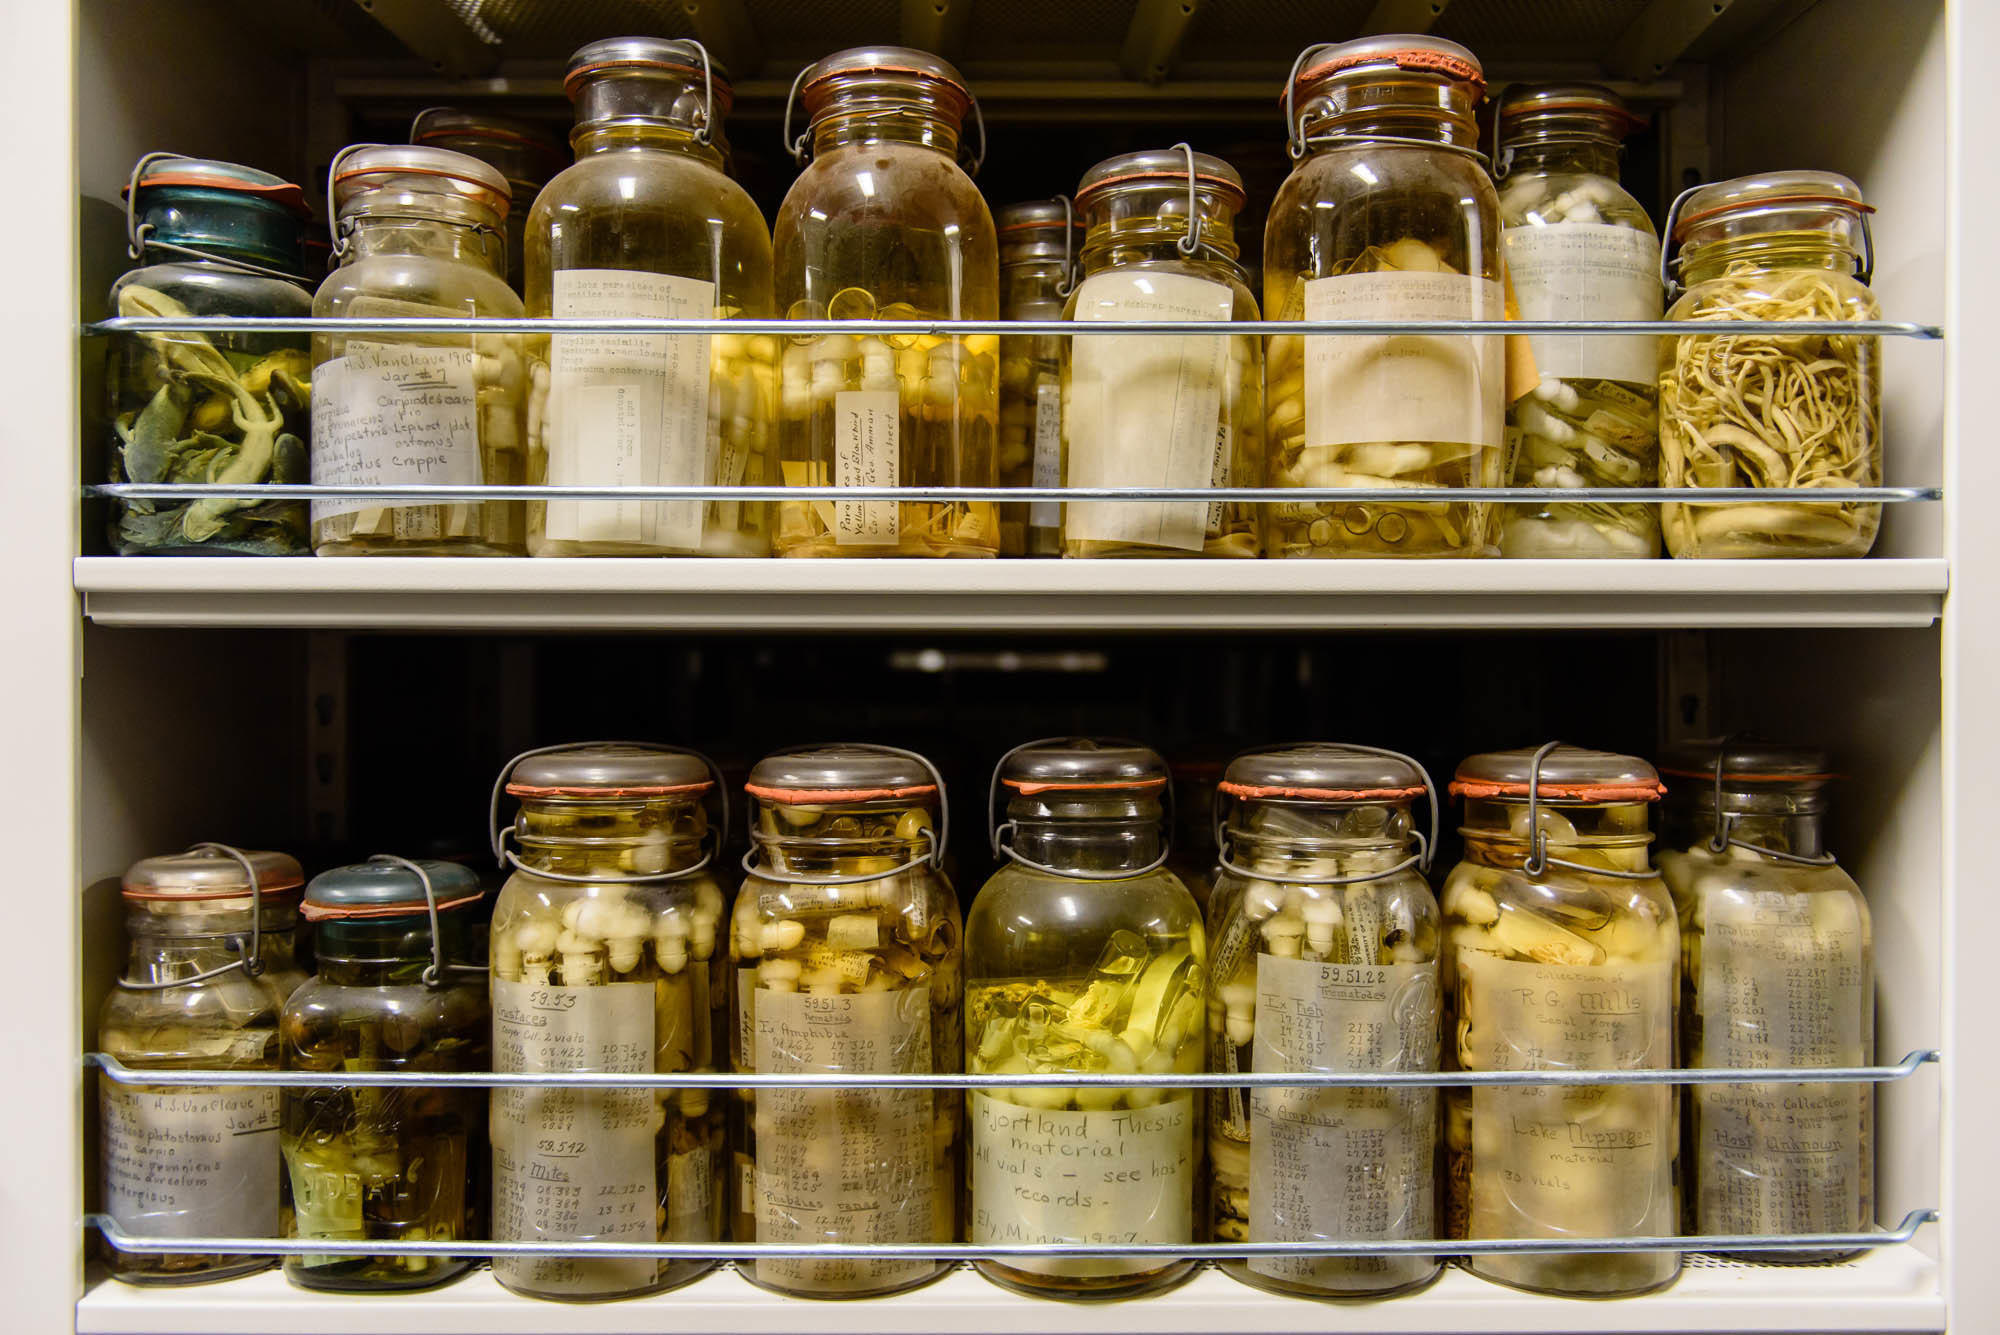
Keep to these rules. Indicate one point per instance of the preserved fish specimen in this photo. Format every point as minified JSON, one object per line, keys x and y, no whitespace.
{"x":1038,"y":243}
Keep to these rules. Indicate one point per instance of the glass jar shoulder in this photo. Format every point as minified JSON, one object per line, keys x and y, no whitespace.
{"x":1395,"y":914}
{"x":1243,"y":302}
{"x":888,"y":183}
{"x":527,"y":897}
{"x":1330,"y":211}
{"x":643,"y":180}
{"x":912,"y":892}
{"x":1789,"y":293}
{"x":397,"y":1026}
{"x":1026,"y":921}
{"x":225,"y":1021}
{"x":1698,"y":877}
{"x":212,"y":289}
{"x":1544,"y":199}
{"x":1561,"y":918}
{"x":458,"y":286}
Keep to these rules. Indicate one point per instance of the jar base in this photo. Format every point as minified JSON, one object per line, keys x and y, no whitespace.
{"x":1791,"y":1258}
{"x":344,"y":1278}
{"x":1085,"y":1288}
{"x":164,"y":1279}
{"x":1240,"y":1272}
{"x":749,"y":1272}
{"x":673,"y":1277}
{"x":1566,"y":1291}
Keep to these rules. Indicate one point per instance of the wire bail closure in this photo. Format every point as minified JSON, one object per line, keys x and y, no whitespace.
{"x":1538,"y":861}
{"x":1421,"y":859}
{"x":1191,"y":242}
{"x":704,"y":129}
{"x":435,"y":971}
{"x":505,"y":857}
{"x":800,"y":147}
{"x":996,"y":835}
{"x":251,"y":961}
{"x":1670,"y":250}
{"x":1295,"y":128}
{"x":1722,"y":840}
{"x":938,"y":838}
{"x":1067,"y":283}
{"x":139,"y":236}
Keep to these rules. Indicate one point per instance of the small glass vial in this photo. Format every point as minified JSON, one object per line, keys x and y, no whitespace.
{"x":647,"y":224}
{"x":603,"y":959}
{"x":1560,"y":953}
{"x":378,"y":1164}
{"x":1326,"y":959}
{"x":1579,"y":247}
{"x":1038,"y":245}
{"x":1777,"y":969}
{"x":1084,"y":956}
{"x":211,"y":963}
{"x":1755,"y":410}
{"x":520,"y":152}
{"x":1389,"y":215}
{"x":847,"y":946}
{"x":418,"y":235}
{"x":883,"y":224}
{"x":1161,"y":410}
{"x":211,"y":239}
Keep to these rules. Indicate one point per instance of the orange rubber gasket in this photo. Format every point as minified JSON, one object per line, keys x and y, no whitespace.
{"x":1423,"y":62}
{"x":1031,"y":226}
{"x":240,"y":892}
{"x":1321,"y":794}
{"x":292,"y":196}
{"x":724,"y":92}
{"x":817,"y":796}
{"x":525,"y":790}
{"x":1688,"y":220}
{"x":1028,"y":788}
{"x":931,"y":75}
{"x":312,"y":912}
{"x":1748,"y":776}
{"x":353,"y":172}
{"x":1567,"y":792}
{"x":1220,"y":184}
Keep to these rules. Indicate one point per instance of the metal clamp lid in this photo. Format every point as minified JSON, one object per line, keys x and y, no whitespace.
{"x":1670,"y":247}
{"x":1538,"y":861}
{"x":939,"y":838}
{"x":435,"y":971}
{"x":139,"y":236}
{"x":800,"y":147}
{"x":250,"y":959}
{"x":343,"y":227}
{"x":498,"y":834}
{"x":1722,"y":840}
{"x":996,"y":834}
{"x":1421,"y":859}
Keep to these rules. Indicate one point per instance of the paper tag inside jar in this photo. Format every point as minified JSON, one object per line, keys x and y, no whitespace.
{"x":190,"y":1163}
{"x":1048,"y":453}
{"x":1364,"y":389}
{"x":867,"y":452}
{"x":1588,"y":271}
{"x":388,"y":415}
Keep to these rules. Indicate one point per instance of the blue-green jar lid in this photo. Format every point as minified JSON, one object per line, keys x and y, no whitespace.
{"x":220,"y":208}
{"x":383,"y":890}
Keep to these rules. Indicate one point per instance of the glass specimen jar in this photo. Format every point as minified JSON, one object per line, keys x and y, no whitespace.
{"x":603,"y":958}
{"x":520,"y":152}
{"x":647,"y":224}
{"x":385,"y":1164}
{"x":1083,"y":956}
{"x":1389,"y":215}
{"x":1560,"y":953}
{"x":1325,"y":959}
{"x":884,"y":224}
{"x":1579,"y":247}
{"x":211,"y":238}
{"x":418,"y":234}
{"x":1755,"y":410}
{"x":211,"y":963}
{"x":847,"y":946}
{"x":1777,"y":969}
{"x":1038,"y":244}
{"x":1161,"y":410}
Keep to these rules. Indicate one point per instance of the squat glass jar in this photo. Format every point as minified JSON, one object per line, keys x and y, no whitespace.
{"x":646,"y":223}
{"x":1326,"y":959}
{"x":1084,"y":956}
{"x":1388,"y":215}
{"x":1560,"y":953}
{"x":1038,"y":244}
{"x":1579,"y":247}
{"x":196,"y":994}
{"x":884,"y":224}
{"x":418,"y":235}
{"x":211,"y":238}
{"x":385,"y":1164}
{"x":603,"y":959}
{"x":1755,"y":410}
{"x":1161,"y":410}
{"x":518,"y":151}
{"x":847,"y":946}
{"x":1777,"y":969}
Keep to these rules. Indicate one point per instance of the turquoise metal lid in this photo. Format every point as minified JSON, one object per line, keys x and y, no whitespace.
{"x":219,"y":208}
{"x":387,"y":890}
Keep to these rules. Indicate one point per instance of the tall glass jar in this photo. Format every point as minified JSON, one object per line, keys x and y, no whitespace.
{"x":1579,"y":247}
{"x":1777,"y":969}
{"x":1038,"y":244}
{"x":603,"y":958}
{"x":379,"y":1164}
{"x":1560,"y":954}
{"x":647,"y":224}
{"x":520,"y":152}
{"x":211,"y":238}
{"x":883,"y":224}
{"x":1084,"y":956}
{"x":847,"y":946}
{"x":1755,"y":410}
{"x":1326,"y":959}
{"x":1161,"y":410}
{"x":418,"y":235}
{"x":197,"y":1161}
{"x":1388,"y":216}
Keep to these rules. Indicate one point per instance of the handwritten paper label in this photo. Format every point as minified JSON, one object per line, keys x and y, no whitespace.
{"x":867,"y":452}
{"x":1362,"y":389}
{"x":190,"y":1163}
{"x":1048,"y":453}
{"x":1588,"y":271}
{"x":385,"y":415}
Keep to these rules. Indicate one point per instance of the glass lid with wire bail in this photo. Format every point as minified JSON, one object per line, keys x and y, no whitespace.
{"x":1083,"y":807}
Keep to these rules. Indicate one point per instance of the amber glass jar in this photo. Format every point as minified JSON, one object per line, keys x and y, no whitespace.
{"x":1038,"y":247}
{"x":522,"y":153}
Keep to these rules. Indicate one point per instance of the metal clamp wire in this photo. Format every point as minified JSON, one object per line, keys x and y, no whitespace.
{"x":765,"y":873}
{"x":343,"y":228}
{"x":1295,"y":129}
{"x":800,"y":147}
{"x":1722,"y":840}
{"x":1071,"y":261}
{"x":996,"y":836}
{"x":505,"y":857}
{"x":1538,"y":861}
{"x":434,"y":972}
{"x":703,"y":133}
{"x":1670,"y":260}
{"x":1426,"y":847}
{"x":1191,"y":242}
{"x":938,"y":838}
{"x":250,"y":961}
{"x":139,"y":236}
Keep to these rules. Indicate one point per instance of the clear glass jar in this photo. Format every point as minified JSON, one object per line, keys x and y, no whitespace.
{"x":1777,"y":969}
{"x":197,"y":1161}
{"x":385,"y":1164}
{"x":520,"y":152}
{"x":603,"y":957}
{"x":1326,"y":959}
{"x":647,"y":224}
{"x":418,"y":235}
{"x":883,"y":224}
{"x":211,"y":238}
{"x":848,"y":953}
{"x":1561,"y":951}
{"x":1760,"y":411}
{"x":1579,"y":247}
{"x":1161,"y":410}
{"x":1388,"y":215}
{"x":1038,"y":245}
{"x":1084,"y":956}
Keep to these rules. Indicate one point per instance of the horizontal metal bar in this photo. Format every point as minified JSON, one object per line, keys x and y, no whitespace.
{"x":1717,"y":1075}
{"x":961,"y":1251}
{"x":462,"y":324}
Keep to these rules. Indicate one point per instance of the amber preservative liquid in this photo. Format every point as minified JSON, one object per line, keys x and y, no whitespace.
{"x":385,"y":1164}
{"x":847,"y":950}
{"x":1038,"y":246}
{"x":1388,"y":215}
{"x":1084,"y":955}
{"x":604,"y":958}
{"x":520,"y":152}
{"x":1561,"y":952}
{"x":1325,"y":959}
{"x":1777,"y":969}
{"x":1161,"y":410}
{"x":420,"y":232}
{"x":197,"y":1161}
{"x":646,"y":224}
{"x":884,"y":224}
